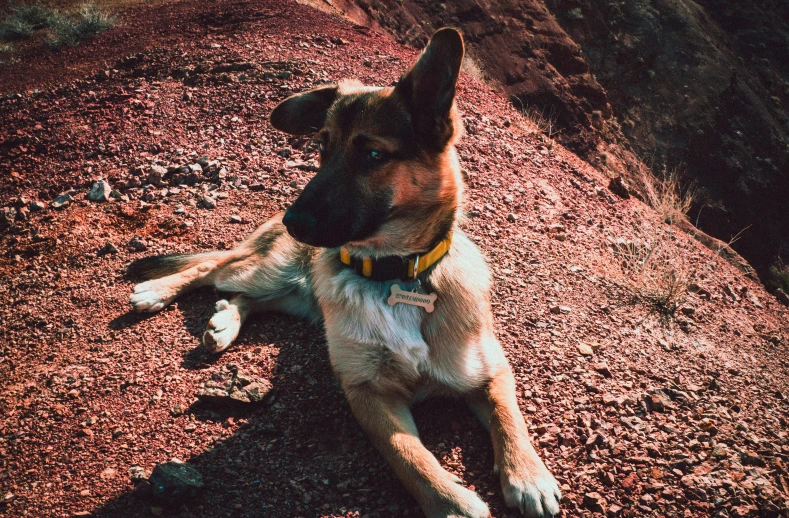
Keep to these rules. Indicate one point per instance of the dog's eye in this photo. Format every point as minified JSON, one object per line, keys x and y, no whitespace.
{"x":375,"y":154}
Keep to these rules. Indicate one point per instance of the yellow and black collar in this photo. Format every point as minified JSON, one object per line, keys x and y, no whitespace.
{"x":394,"y":267}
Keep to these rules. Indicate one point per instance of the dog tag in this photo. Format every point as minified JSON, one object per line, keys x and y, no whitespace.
{"x":412,"y":298}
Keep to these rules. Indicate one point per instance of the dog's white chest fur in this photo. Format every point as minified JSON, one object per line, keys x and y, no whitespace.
{"x":357,"y":312}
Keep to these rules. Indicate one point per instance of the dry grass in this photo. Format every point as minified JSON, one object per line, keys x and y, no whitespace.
{"x":85,"y":23}
{"x":472,"y":67}
{"x":655,"y":268}
{"x":666,"y":194}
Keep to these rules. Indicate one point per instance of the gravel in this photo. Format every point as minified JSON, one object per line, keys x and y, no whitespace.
{"x":89,"y":386}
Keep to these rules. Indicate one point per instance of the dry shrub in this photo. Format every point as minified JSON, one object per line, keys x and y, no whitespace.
{"x":88,"y":21}
{"x":471,"y":67}
{"x":666,"y":194}
{"x":655,"y":267}
{"x":541,"y":121}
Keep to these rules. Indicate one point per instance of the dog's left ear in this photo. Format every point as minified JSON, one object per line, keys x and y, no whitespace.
{"x":304,"y":113}
{"x":428,"y":88}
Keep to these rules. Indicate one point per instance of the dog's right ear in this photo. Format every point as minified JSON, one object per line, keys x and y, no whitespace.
{"x":304,"y":113}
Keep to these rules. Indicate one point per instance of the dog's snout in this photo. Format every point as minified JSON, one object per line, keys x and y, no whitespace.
{"x":300,"y":225}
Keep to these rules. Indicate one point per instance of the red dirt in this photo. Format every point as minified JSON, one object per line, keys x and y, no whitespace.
{"x":90,"y":390}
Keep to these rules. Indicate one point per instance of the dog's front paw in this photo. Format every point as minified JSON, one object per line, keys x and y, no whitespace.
{"x":223,"y":327}
{"x":150,"y":296}
{"x":463,"y":503}
{"x":535,"y":492}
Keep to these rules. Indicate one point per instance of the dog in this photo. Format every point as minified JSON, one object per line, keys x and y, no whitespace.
{"x":372,"y":249}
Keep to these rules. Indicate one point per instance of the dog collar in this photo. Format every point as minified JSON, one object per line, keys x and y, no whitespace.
{"x":395,"y":267}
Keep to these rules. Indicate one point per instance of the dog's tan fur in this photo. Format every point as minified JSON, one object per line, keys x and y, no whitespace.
{"x":386,"y":357}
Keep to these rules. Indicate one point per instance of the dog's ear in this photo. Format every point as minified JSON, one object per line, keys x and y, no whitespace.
{"x":428,"y":88}
{"x":304,"y":113}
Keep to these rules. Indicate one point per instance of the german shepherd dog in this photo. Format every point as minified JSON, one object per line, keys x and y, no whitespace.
{"x":372,"y":249}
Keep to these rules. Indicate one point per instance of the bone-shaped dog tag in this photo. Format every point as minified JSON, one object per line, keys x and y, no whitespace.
{"x":412,"y":298}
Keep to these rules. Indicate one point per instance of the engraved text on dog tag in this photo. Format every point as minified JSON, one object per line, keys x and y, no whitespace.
{"x":412,"y":298}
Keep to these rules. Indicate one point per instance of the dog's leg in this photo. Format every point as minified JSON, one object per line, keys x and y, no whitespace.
{"x":224,"y":326}
{"x":153,"y":295}
{"x":388,"y":422}
{"x":525,"y":480}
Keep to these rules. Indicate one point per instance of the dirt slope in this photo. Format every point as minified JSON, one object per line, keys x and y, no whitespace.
{"x":681,"y":416}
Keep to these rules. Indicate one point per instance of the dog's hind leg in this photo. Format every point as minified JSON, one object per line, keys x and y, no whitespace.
{"x":190,"y":272}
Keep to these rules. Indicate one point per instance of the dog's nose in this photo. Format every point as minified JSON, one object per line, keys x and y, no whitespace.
{"x":300,"y":225}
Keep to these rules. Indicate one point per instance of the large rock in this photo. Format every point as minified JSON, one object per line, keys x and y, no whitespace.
{"x":175,"y":481}
{"x":229,"y":386}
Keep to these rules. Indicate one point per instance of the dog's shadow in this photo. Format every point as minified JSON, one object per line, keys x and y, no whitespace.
{"x":300,"y":452}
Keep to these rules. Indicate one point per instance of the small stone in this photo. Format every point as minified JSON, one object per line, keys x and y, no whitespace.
{"x":731,"y":293}
{"x":174,"y":481}
{"x":100,"y":191}
{"x":720,"y":451}
{"x":619,"y":187}
{"x":138,"y":244}
{"x":36,"y":206}
{"x":512,"y":217}
{"x":236,"y":219}
{"x":156,"y":175}
{"x":207,"y":202}
{"x":602,"y":368}
{"x":285,"y":152}
{"x":594,"y":502}
{"x":109,"y":248}
{"x":62,"y":201}
{"x":585,"y":350}
{"x":751,"y":459}
{"x":659,"y":401}
{"x":85,"y":432}
{"x":688,"y":310}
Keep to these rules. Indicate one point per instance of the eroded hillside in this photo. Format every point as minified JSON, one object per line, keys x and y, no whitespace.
{"x":638,"y":408}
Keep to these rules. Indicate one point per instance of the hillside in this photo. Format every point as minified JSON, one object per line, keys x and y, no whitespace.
{"x":638,"y":410}
{"x":696,"y":87}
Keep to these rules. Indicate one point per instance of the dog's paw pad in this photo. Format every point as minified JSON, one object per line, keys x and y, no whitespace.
{"x":148,"y":297}
{"x":223,"y":328}
{"x":536,"y":498}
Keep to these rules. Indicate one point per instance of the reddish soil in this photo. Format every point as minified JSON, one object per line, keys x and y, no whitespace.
{"x":688,"y":416}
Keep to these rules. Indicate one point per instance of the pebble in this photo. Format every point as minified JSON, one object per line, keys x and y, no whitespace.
{"x":236,"y":219}
{"x":585,"y":350}
{"x":36,"y":206}
{"x":138,"y":244}
{"x":619,"y":187}
{"x":156,"y":174}
{"x":100,"y":191}
{"x":109,"y":248}
{"x":207,"y":202}
{"x":512,"y":217}
{"x":62,"y":201}
{"x":602,"y":368}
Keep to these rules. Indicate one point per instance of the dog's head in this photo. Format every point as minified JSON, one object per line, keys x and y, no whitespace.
{"x":389,"y":180}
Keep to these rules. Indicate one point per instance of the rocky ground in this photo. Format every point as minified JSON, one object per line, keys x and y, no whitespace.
{"x":636,"y":412}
